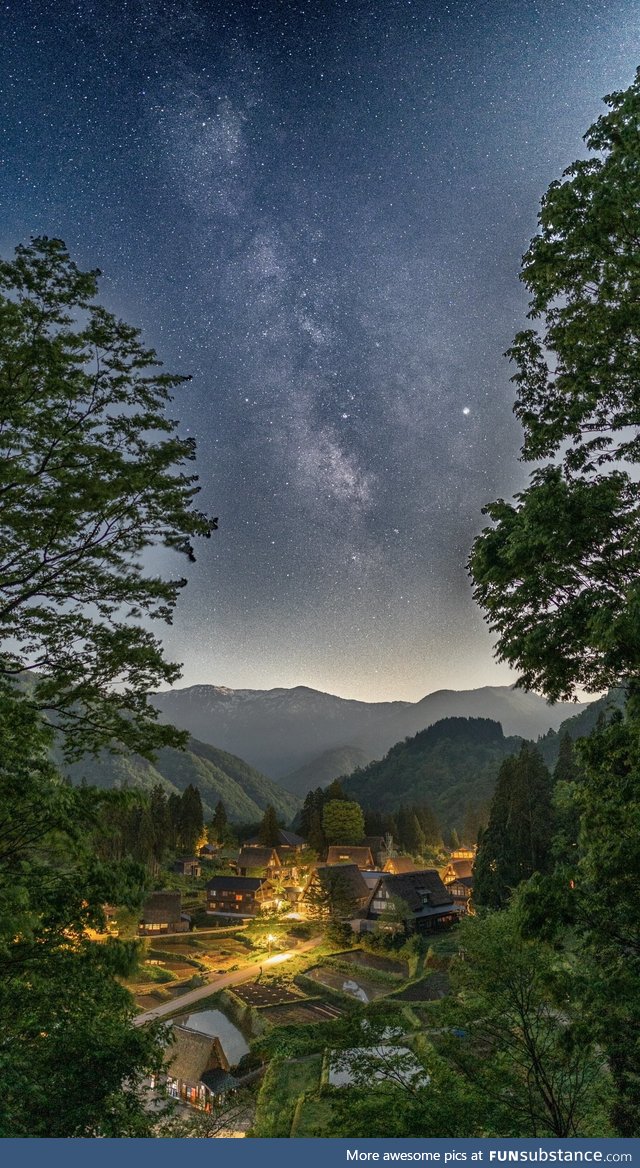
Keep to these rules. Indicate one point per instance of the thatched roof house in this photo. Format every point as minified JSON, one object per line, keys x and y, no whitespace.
{"x":397,"y":865}
{"x":197,"y":1067}
{"x":346,"y":854}
{"x":162,"y":913}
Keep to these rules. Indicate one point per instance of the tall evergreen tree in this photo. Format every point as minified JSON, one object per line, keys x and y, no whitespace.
{"x":220,"y":822}
{"x":429,"y":825}
{"x":161,"y":823}
{"x":191,"y":819}
{"x":174,"y":812}
{"x":410,"y":834}
{"x":269,"y":830}
{"x":316,"y":838}
{"x":335,"y":790}
{"x":517,"y":840}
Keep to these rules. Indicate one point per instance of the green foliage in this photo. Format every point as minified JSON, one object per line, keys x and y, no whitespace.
{"x":342,"y":822}
{"x":91,"y":474}
{"x":517,"y":840}
{"x":268,"y":832}
{"x":446,"y":767}
{"x":215,"y":773}
{"x":65,"y":1019}
{"x":558,"y":573}
{"x":191,"y":821}
{"x":518,"y":1037}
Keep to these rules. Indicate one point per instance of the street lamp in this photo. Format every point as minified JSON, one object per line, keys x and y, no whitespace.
{"x":271,"y":940}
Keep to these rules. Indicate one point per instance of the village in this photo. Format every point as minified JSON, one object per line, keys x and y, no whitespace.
{"x":266,"y":949}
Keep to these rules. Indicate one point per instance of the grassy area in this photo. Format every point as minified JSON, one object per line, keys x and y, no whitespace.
{"x":312,"y":1117}
{"x":282,"y":1087}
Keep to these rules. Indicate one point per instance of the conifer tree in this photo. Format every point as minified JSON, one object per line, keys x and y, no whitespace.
{"x":269,"y":830}
{"x":220,"y":822}
{"x":191,"y":819}
{"x":517,"y":840}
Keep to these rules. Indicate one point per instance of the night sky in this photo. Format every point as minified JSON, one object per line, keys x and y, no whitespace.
{"x":318,"y":210}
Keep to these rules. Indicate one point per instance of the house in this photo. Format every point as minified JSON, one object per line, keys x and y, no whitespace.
{"x":335,"y":890}
{"x":457,"y":870}
{"x":396,"y":865}
{"x":190,"y":867}
{"x":242,"y":896}
{"x":430,"y":904}
{"x":463,"y":853}
{"x":461,"y":891}
{"x":258,"y":861}
{"x":345,"y":854}
{"x":162,"y":913}
{"x":286,"y":839}
{"x":197,"y":1069}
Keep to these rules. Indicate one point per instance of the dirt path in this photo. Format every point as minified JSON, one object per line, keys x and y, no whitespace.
{"x":222,"y":981}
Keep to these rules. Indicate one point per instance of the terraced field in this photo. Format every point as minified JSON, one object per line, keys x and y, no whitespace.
{"x":355,"y":986}
{"x":302,"y":1013}
{"x":373,"y":961}
{"x":271,"y":993}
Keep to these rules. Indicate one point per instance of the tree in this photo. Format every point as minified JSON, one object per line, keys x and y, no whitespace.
{"x":191,"y":821}
{"x":91,"y":475}
{"x":559,"y":572}
{"x":335,"y":790}
{"x":410,"y":832}
{"x":517,"y":840}
{"x":316,"y":838}
{"x":66,"y":1022}
{"x":523,"y":1048}
{"x":342,"y":821}
{"x":269,"y":830}
{"x":161,"y":823}
{"x":220,"y":822}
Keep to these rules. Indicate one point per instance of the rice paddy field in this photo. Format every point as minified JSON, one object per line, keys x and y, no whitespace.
{"x":354,"y":986}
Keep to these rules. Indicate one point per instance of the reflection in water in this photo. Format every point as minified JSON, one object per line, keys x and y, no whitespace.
{"x":216,"y":1023}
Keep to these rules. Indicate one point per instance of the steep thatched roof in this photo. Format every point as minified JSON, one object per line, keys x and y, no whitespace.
{"x":160,"y":907}
{"x":461,"y":868}
{"x":345,"y":854}
{"x":398,"y":865}
{"x":258,"y":858}
{"x":235,"y":883}
{"x":347,"y":877}
{"x":191,"y":1054}
{"x":423,"y":889}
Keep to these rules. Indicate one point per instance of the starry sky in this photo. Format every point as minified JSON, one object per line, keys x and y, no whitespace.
{"x":318,"y":210}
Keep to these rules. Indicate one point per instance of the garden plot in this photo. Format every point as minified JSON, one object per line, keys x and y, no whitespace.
{"x":356,"y":986}
{"x":373,"y":961}
{"x":258,"y":993}
{"x":429,"y":989}
{"x":302,"y":1013}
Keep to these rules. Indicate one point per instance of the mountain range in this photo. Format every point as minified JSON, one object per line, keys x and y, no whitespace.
{"x":452,"y":766}
{"x":216,"y":773}
{"x":304,"y":738}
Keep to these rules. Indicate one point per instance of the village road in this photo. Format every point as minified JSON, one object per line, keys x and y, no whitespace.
{"x":223,"y":980}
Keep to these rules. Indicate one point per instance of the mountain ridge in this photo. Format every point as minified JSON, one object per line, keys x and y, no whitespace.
{"x":279,"y":731}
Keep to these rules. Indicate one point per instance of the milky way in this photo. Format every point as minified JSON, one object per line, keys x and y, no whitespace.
{"x":318,"y":211}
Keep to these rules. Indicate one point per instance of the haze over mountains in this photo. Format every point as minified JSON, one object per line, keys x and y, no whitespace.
{"x":284,"y":732}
